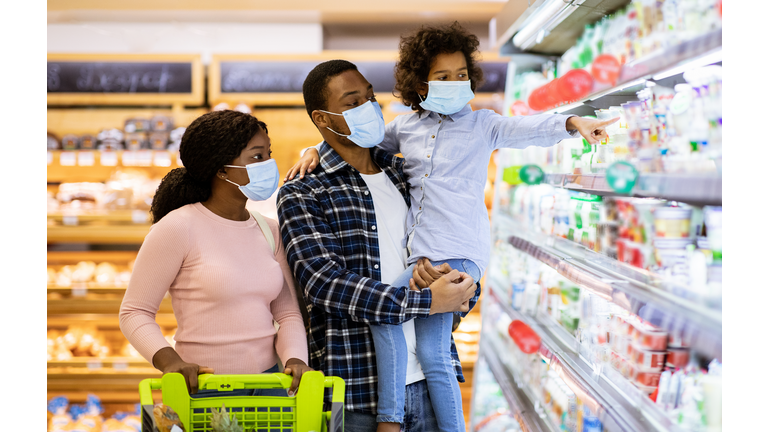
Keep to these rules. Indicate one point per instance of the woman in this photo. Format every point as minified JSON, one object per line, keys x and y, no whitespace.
{"x":226,"y":282}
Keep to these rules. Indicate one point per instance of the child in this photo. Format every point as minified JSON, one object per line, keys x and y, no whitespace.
{"x":446,"y":147}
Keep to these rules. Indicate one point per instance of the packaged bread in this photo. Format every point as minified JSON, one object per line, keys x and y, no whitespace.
{"x":105,"y":274}
{"x":166,"y":418}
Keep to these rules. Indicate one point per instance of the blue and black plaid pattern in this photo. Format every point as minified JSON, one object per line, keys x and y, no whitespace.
{"x":327,"y":222}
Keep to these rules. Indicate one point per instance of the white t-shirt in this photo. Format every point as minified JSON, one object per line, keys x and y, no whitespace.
{"x":391,"y":212}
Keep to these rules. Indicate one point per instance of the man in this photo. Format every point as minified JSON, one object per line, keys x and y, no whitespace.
{"x":342,"y":228}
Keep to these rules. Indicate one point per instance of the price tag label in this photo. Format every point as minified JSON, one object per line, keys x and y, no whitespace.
{"x":50,"y":157}
{"x":79,"y":289}
{"x":108,"y":158}
{"x":162,"y":158}
{"x":144,"y":157}
{"x":68,"y":158}
{"x":140,"y":216}
{"x":621,"y":177}
{"x":85,"y":158}
{"x":69,"y":219}
{"x":531,"y":174}
{"x":94,"y":364}
{"x":120,"y":366}
{"x":130,"y":158}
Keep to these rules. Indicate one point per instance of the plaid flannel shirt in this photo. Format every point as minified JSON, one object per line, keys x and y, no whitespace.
{"x":328,"y":225}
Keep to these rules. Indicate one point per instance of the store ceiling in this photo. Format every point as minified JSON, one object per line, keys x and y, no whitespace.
{"x":287,"y":11}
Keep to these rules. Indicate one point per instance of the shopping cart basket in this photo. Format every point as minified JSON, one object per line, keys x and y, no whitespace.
{"x":300,"y":413}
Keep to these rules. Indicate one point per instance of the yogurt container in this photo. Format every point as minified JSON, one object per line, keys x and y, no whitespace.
{"x":672,"y":222}
{"x":649,"y":339}
{"x":647,"y":360}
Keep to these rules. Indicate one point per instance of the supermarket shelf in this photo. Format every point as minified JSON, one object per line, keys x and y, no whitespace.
{"x":519,"y":402}
{"x":640,"y":292}
{"x":129,"y":397}
{"x":665,"y":60}
{"x":617,"y":409}
{"x":107,"y":216}
{"x":698,"y":189}
{"x":95,"y":363}
{"x":90,"y":288}
{"x":98,"y":234}
{"x":84,"y":305}
{"x":154,"y":163}
{"x":101,"y":320}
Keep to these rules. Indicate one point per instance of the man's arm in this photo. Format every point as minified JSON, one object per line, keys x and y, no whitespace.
{"x":315,"y":256}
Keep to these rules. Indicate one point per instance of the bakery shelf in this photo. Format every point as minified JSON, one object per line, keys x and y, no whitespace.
{"x":617,"y":406}
{"x":70,"y":168}
{"x":107,"y":321}
{"x":95,"y":363}
{"x":521,"y":405}
{"x":700,"y":189}
{"x":90,"y":288}
{"x":641,"y":292}
{"x":89,"y":305}
{"x":78,"y":217}
{"x":667,"y":60}
{"x":98,"y":234}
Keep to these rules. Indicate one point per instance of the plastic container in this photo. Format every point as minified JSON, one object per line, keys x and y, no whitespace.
{"x":649,"y":339}
{"x":647,"y":360}
{"x":647,"y":379}
{"x":524,"y":337}
{"x":300,"y":413}
{"x":678,"y":357}
{"x":671,"y":252}
{"x":672,"y":222}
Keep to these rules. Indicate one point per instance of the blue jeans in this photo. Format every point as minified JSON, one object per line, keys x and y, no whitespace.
{"x":243,"y":392}
{"x":433,"y":348}
{"x":419,"y":415}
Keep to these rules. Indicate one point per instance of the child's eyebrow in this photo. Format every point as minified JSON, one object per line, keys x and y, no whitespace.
{"x":443,"y":71}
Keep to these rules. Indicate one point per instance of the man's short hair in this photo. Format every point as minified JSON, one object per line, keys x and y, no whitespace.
{"x":315,"y":86}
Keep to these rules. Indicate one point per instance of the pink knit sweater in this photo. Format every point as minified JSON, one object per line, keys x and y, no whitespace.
{"x":226,"y":287}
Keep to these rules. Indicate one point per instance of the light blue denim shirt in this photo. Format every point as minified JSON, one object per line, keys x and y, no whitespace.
{"x":446,"y":161}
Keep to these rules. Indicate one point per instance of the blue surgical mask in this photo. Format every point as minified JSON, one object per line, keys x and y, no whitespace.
{"x":366,"y":124}
{"x":263,"y":179}
{"x":447,"y":97}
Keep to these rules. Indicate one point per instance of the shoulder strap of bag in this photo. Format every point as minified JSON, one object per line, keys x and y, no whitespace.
{"x":265,"y":229}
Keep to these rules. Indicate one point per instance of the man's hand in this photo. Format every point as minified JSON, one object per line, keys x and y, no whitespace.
{"x":424,"y":273}
{"x":592,"y":130}
{"x":295,"y":368}
{"x":306,"y":164}
{"x":451,"y":292}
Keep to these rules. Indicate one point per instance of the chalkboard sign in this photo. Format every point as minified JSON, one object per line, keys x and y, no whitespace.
{"x":119,"y":77}
{"x":132,"y":79}
{"x":288,"y":77}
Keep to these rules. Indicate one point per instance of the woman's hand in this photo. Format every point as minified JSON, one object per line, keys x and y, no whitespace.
{"x":306,"y":164}
{"x":592,"y":130}
{"x":295,"y":368}
{"x":167,"y":360}
{"x":424,"y":273}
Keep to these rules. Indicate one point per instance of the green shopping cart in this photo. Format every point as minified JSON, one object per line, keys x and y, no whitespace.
{"x":300,"y":413}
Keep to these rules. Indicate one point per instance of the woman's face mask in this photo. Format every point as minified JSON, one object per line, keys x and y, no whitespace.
{"x":263,"y":179}
{"x":365,"y":122}
{"x":447,"y":97}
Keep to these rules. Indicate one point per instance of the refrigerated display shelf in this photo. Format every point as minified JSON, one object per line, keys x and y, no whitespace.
{"x":648,"y":295}
{"x":616,"y":405}
{"x":663,"y":61}
{"x":519,"y":401}
{"x":696,"y":189}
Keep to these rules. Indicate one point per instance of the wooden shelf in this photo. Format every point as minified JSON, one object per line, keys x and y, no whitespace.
{"x":62,"y":321}
{"x":93,"y":363}
{"x":81,"y":305}
{"x":138,"y":217}
{"x":98,"y":234}
{"x":58,"y":173}
{"x":73,"y":257}
{"x":91,"y":288}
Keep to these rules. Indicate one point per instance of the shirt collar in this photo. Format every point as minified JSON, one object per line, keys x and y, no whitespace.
{"x":331,"y":162}
{"x":452,"y":117}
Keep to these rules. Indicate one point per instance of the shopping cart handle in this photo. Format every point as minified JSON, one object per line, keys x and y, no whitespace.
{"x":233,"y":382}
{"x":145,"y":389}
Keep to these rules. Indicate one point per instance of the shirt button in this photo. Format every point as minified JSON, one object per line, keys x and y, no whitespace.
{"x":433,"y":136}
{"x":426,"y":175}
{"x":439,"y":121}
{"x":366,"y":192}
{"x":419,"y":208}
{"x":376,"y":266}
{"x":373,"y":227}
{"x":428,"y":156}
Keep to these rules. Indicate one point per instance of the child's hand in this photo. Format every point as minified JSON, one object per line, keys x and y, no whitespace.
{"x":591,"y":129}
{"x":424,"y":273}
{"x":306,"y":164}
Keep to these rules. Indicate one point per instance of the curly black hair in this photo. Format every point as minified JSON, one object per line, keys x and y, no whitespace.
{"x":210,"y":142}
{"x":418,"y":51}
{"x":315,"y":86}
